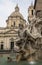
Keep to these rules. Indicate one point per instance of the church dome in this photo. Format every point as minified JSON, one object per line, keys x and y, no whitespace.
{"x":16,"y":13}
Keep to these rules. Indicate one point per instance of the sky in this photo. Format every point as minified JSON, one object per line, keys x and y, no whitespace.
{"x":8,"y":6}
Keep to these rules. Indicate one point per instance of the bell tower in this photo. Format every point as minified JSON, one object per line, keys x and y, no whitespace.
{"x":31,"y":13}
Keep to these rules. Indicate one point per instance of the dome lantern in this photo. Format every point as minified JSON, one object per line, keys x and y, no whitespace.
{"x":17,"y":8}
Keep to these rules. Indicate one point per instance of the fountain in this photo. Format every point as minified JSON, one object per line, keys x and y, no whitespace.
{"x":12,"y":56}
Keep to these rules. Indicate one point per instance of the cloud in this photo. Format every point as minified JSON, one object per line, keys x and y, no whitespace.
{"x":7,"y":7}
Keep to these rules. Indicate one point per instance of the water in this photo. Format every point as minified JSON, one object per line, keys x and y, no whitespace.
{"x":3,"y":61}
{"x":20,"y":63}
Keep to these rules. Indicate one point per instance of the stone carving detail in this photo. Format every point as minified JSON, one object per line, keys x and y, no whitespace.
{"x":30,"y":43}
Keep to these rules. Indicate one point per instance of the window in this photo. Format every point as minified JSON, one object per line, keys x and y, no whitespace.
{"x":11,"y":43}
{"x":32,"y":12}
{"x":21,"y":26}
{"x":1,"y":46}
{"x":14,"y":23}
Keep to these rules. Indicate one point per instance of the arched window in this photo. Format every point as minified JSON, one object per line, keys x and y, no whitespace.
{"x":14,"y":23}
{"x":32,"y":12}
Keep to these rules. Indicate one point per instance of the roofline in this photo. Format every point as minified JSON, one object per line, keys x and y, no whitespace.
{"x":35,"y":4}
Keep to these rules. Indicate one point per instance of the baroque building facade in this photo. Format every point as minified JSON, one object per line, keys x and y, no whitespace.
{"x":9,"y":34}
{"x":26,"y":37}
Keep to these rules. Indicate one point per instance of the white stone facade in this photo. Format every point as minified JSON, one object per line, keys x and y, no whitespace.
{"x":9,"y":34}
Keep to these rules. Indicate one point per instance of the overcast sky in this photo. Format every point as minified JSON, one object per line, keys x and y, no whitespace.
{"x":7,"y":7}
